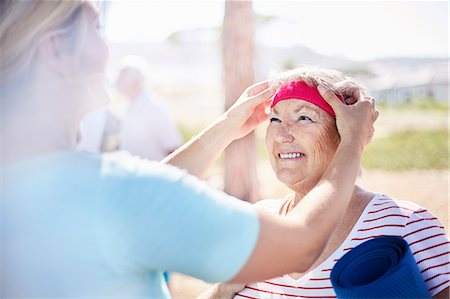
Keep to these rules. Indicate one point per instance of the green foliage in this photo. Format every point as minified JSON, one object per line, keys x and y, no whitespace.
{"x":421,"y":104}
{"x":187,"y":132}
{"x":358,"y":71}
{"x":408,"y":150}
{"x":288,"y":65}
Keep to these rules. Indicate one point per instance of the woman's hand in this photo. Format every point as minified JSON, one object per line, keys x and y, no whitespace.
{"x":251,"y":108}
{"x":355,"y":121}
{"x":350,"y":91}
{"x":198,"y":154}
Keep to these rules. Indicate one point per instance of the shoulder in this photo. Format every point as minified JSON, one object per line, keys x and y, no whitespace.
{"x":112,"y":172}
{"x":124,"y":166}
{"x":415,"y":213}
{"x":388,"y":216}
{"x":385,"y":205}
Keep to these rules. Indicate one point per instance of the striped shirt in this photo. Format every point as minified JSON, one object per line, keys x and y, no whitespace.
{"x":382,"y":216}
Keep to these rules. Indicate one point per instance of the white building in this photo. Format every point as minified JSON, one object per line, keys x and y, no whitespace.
{"x":430,"y":82}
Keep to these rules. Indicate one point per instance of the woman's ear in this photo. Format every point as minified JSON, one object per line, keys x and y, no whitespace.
{"x":54,"y":53}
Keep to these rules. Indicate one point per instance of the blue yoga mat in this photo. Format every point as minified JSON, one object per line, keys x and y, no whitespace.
{"x":379,"y":268}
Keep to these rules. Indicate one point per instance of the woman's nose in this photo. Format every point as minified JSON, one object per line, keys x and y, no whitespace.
{"x":283,"y":134}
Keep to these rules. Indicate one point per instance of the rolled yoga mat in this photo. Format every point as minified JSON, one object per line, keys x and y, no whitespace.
{"x":379,"y":268}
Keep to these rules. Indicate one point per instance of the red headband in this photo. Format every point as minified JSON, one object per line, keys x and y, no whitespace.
{"x":301,"y":91}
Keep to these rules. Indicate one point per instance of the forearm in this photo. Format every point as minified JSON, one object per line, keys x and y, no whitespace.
{"x":198,"y":154}
{"x":210,"y":293}
{"x":322,"y":208}
{"x":221,"y":291}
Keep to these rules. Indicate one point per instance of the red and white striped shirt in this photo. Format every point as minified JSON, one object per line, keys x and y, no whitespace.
{"x":382,"y":216}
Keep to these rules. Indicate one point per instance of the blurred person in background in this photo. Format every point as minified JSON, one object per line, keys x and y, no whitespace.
{"x":147,"y":129}
{"x":100,"y":131}
{"x":301,"y":140}
{"x":78,"y":224}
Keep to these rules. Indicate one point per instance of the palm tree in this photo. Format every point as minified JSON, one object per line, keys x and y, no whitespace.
{"x":238,"y":53}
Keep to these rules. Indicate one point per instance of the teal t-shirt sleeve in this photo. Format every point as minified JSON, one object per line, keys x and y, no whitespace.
{"x":157,"y":217}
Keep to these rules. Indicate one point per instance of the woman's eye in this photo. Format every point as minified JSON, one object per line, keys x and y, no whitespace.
{"x":304,"y":117}
{"x":274,"y":119}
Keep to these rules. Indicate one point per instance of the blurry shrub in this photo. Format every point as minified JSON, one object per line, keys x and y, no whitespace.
{"x":187,"y":132}
{"x":428,"y":104}
{"x":408,"y":150}
{"x":358,"y":71}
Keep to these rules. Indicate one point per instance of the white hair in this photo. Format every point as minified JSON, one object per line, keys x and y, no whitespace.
{"x":314,"y":76}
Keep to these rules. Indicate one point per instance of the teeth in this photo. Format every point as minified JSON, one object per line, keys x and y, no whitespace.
{"x":291,"y":155}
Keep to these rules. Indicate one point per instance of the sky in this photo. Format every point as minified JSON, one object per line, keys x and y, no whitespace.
{"x":359,"y":30}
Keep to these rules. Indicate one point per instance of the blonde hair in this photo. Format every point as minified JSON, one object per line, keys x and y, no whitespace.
{"x":313,"y":75}
{"x":24,"y":23}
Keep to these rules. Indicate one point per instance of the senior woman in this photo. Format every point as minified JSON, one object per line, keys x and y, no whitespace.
{"x":301,"y":140}
{"x":84,"y":225}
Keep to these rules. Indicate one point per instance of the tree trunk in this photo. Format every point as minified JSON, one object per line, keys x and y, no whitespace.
{"x":238,"y":72}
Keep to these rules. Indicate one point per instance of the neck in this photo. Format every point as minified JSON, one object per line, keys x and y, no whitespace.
{"x":36,"y":127}
{"x":357,"y":194}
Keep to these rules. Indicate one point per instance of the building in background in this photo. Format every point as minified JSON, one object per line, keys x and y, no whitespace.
{"x":427,"y":82}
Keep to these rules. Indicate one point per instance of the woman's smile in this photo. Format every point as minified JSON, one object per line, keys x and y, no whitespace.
{"x":291,"y":155}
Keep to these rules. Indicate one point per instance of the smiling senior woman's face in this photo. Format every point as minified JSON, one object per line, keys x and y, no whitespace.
{"x":301,"y":140}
